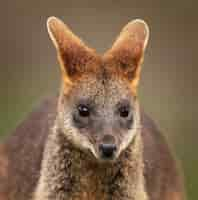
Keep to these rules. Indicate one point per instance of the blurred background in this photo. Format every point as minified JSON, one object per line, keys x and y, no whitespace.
{"x":168,"y":89}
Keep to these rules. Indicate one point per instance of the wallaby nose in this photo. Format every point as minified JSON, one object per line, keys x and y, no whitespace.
{"x":107,"y":150}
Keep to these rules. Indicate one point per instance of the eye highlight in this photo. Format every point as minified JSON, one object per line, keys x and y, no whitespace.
{"x":84,"y":110}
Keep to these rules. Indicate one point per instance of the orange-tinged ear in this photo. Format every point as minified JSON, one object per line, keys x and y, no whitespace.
{"x":74,"y":56}
{"x":128,"y":50}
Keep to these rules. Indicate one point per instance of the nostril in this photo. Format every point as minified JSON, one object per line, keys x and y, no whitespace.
{"x":107,"y":150}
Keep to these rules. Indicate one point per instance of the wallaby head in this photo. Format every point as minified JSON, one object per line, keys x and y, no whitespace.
{"x":98,"y":108}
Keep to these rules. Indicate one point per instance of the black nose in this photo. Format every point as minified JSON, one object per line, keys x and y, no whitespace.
{"x":107,"y":150}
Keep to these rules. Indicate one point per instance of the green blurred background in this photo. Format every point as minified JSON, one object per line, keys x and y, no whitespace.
{"x":168,"y":90}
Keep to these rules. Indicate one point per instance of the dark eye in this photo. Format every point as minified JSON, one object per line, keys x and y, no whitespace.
{"x":124,"y":111}
{"x":83,"y":111}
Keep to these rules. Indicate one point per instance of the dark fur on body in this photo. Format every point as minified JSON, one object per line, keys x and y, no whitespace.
{"x":24,"y":152}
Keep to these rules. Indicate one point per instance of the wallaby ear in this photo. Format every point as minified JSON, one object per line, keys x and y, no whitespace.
{"x":73,"y":54}
{"x":128,"y":49}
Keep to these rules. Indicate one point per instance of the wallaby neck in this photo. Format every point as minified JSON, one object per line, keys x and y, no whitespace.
{"x":69,"y":173}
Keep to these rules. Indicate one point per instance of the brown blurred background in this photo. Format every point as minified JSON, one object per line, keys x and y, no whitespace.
{"x":168,"y":91}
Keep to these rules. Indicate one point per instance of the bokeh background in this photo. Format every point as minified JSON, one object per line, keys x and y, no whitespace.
{"x":168,"y":90}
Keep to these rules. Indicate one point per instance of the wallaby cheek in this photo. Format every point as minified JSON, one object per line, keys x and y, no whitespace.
{"x":128,"y":137}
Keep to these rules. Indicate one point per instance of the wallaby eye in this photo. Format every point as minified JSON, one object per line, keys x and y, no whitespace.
{"x":83,"y":111}
{"x":124,"y":112}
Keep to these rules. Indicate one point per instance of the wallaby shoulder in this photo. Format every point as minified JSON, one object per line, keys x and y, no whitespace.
{"x":162,"y":175}
{"x":21,"y":153}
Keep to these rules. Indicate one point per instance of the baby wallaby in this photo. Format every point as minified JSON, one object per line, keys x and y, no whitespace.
{"x":93,"y":142}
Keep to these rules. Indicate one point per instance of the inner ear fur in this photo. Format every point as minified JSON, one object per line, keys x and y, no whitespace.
{"x":74,"y":56}
{"x":128,"y":50}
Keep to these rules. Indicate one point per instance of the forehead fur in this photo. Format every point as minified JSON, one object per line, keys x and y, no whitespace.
{"x":103,"y":87}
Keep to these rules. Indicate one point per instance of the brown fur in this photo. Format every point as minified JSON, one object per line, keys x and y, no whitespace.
{"x":85,"y":179}
{"x":3,"y":171}
{"x":76,"y":59}
{"x":3,"y":163}
{"x":47,"y":158}
{"x":160,"y":172}
{"x":23,"y":153}
{"x":72,"y":52}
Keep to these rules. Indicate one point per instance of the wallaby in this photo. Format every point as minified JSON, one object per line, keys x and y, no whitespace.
{"x":93,"y":141}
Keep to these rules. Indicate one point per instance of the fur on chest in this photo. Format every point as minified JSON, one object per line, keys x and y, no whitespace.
{"x":69,"y":174}
{"x":104,"y":184}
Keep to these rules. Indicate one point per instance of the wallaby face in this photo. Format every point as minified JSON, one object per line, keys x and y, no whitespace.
{"x":102,"y":117}
{"x":98,"y":108}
